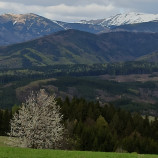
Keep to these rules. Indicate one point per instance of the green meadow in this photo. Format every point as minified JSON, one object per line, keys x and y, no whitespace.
{"x":8,"y":152}
{"x":11,"y":152}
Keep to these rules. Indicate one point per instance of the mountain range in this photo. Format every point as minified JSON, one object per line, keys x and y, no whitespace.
{"x":78,"y":47}
{"x":32,"y":40}
{"x":16,"y":28}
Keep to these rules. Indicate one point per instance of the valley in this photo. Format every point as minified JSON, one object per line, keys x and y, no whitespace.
{"x":135,"y":90}
{"x":103,"y":73}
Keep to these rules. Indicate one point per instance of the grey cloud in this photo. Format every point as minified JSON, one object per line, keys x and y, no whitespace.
{"x":122,"y":3}
{"x":62,"y":11}
{"x":148,"y":6}
{"x":57,"y":2}
{"x":74,"y":10}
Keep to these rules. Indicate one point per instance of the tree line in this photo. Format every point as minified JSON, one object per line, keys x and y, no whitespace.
{"x":106,"y":128}
{"x":119,"y":68}
{"x":5,"y":116}
{"x":93,"y":127}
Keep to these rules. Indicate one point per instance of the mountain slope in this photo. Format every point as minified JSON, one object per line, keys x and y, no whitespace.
{"x":152,"y":57}
{"x":65,"y":47}
{"x":77,"y":47}
{"x":92,"y":28}
{"x":140,"y":27}
{"x":23,"y":27}
{"x":15,"y":28}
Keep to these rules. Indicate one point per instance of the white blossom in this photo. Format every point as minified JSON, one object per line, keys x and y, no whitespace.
{"x":38,"y":123}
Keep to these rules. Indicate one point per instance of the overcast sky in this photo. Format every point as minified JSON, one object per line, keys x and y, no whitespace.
{"x":75,"y":10}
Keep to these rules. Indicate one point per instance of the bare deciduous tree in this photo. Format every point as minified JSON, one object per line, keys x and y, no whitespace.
{"x":38,"y":123}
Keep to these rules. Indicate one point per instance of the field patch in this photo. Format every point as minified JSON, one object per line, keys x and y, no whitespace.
{"x":131,"y":77}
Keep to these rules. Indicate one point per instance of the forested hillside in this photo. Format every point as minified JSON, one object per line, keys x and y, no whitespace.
{"x":101,"y":128}
{"x":77,"y":47}
{"x":129,"y":85}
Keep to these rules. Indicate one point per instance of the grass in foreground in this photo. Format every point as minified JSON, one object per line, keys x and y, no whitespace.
{"x":8,"y":152}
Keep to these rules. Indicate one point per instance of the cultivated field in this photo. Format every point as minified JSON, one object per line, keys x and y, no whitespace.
{"x":132,"y":77}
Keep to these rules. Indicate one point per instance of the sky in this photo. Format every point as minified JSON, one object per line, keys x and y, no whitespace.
{"x":76,"y":10}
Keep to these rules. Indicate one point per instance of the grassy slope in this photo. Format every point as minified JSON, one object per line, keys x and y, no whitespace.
{"x":9,"y":152}
{"x":6,"y":152}
{"x":152,"y":57}
{"x":2,"y":141}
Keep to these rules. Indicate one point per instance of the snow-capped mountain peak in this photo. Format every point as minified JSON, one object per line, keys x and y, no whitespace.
{"x":122,"y":19}
{"x":129,"y":18}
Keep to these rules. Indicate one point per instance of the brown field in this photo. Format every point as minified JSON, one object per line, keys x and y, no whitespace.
{"x":132,"y":78}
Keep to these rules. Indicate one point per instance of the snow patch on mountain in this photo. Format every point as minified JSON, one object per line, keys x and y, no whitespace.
{"x":14,"y":22}
{"x":61,"y":24}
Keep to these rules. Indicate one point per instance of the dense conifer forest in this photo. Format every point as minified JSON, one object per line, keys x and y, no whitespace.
{"x":87,"y":82}
{"x":101,"y":128}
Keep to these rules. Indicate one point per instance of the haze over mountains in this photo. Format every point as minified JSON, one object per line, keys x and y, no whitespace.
{"x":15,"y":28}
